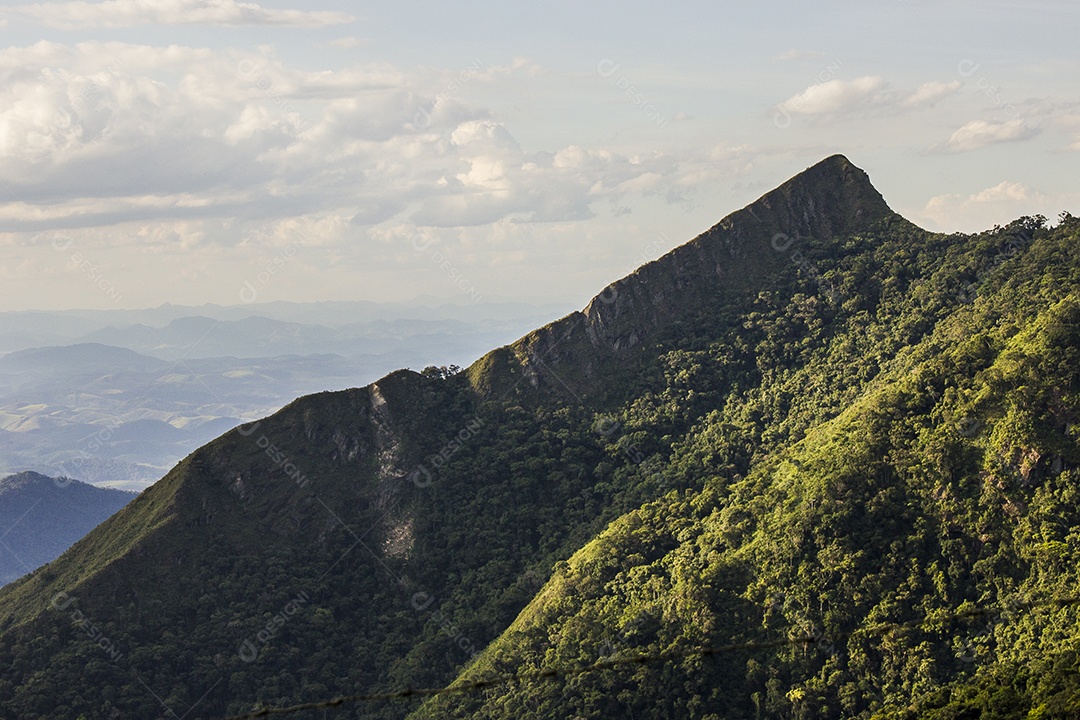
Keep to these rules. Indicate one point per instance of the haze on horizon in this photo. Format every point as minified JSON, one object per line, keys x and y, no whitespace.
{"x":193,"y":151}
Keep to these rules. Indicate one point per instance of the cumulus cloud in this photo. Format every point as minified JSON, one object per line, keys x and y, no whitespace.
{"x":996,"y":205}
{"x":1071,"y":123}
{"x":104,"y":134}
{"x":496,"y":180}
{"x":931,"y":92}
{"x":1003,"y":191}
{"x":834,"y":96}
{"x":347,"y":43}
{"x":129,"y":13}
{"x":980,"y":133}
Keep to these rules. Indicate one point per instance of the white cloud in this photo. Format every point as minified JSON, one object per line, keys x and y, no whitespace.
{"x":834,"y":96}
{"x":1003,"y":191}
{"x":129,"y":13}
{"x":980,"y":133}
{"x":996,"y":205}
{"x":1071,"y":123}
{"x":103,"y":134}
{"x":929,"y":93}
{"x":347,"y":43}
{"x":871,"y":94}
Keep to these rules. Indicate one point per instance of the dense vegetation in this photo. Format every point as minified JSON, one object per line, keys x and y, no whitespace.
{"x":867,"y":426}
{"x":950,"y":482}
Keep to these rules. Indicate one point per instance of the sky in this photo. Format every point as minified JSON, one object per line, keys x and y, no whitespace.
{"x":194,"y":151}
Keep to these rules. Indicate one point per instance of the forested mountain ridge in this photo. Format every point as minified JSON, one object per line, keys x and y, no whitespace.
{"x":814,"y":415}
{"x":949,"y":485}
{"x":833,"y":198}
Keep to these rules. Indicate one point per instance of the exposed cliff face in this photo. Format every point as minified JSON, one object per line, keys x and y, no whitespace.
{"x":830,"y":199}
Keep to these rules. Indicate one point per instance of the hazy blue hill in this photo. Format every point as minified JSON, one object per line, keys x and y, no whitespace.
{"x":196,"y":337}
{"x":41,"y":517}
{"x":80,"y":358}
{"x":203,"y":337}
{"x":20,"y":330}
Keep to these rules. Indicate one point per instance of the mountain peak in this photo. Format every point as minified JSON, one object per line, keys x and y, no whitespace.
{"x":24,"y":479}
{"x":831,"y":198}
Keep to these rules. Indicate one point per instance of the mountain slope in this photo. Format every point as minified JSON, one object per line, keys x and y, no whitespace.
{"x":41,"y":517}
{"x":370,"y":538}
{"x":950,"y":484}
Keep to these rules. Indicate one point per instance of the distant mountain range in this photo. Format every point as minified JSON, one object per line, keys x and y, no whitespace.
{"x":202,"y":337}
{"x":816,"y":462}
{"x":20,"y":330}
{"x":119,"y":403}
{"x":41,"y":517}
